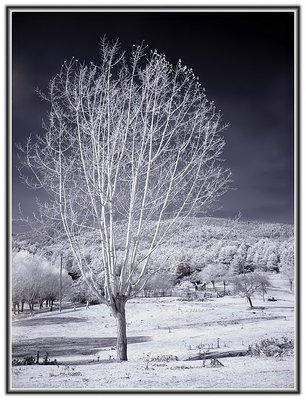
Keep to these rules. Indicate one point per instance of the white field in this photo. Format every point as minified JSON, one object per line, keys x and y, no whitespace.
{"x":191,"y":324}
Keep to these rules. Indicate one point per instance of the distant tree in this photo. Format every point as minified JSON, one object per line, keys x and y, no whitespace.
{"x":287,"y":261}
{"x":195,"y":279}
{"x":211,"y":273}
{"x":258,"y":252}
{"x":273,"y":262}
{"x":79,"y":292}
{"x":212,"y":255}
{"x":164,"y":267}
{"x":50,"y":286}
{"x":265,"y":255}
{"x":224,"y":275}
{"x":227,"y":254}
{"x":183,"y":268}
{"x":27,"y":278}
{"x":18,"y":287}
{"x":250,"y":283}
{"x":250,"y":258}
{"x":160,"y":281}
{"x":198,"y":255}
{"x":35,"y":279}
{"x":239,"y":263}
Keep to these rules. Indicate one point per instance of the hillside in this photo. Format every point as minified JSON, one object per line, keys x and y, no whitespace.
{"x":187,"y":251}
{"x":194,"y":230}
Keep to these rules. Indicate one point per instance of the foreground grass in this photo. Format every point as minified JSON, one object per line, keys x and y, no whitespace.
{"x":240,"y":372}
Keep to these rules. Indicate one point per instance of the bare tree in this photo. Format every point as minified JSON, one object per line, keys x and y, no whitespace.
{"x":215,"y":272}
{"x":130,"y":148}
{"x":28,"y":279}
{"x":248,"y":284}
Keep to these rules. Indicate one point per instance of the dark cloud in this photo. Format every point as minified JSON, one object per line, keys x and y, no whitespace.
{"x":244,"y":60}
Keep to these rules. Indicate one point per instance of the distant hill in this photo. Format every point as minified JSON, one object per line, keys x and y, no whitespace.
{"x":202,"y":229}
{"x":193,"y":231}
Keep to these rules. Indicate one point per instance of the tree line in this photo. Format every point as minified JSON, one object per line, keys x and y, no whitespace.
{"x":36,"y":277}
{"x":36,"y":281}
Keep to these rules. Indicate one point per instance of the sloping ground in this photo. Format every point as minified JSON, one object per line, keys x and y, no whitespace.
{"x":177,"y":328}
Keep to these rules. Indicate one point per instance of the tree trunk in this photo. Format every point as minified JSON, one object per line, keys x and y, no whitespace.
{"x":224,"y":287}
{"x":16,"y":307}
{"x":22,"y":306}
{"x":250,"y":301}
{"x":121,"y":329}
{"x":213,"y":283}
{"x":291,"y":285}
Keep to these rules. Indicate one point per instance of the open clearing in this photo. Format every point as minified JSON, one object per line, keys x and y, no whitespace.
{"x":158,"y":328}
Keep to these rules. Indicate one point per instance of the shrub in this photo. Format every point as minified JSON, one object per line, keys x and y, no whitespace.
{"x":164,"y":358}
{"x":32,"y":361}
{"x":273,"y":347}
{"x":183,"y":269}
{"x":29,"y":360}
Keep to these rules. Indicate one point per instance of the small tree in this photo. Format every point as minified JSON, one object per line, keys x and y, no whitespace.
{"x":183,"y":268}
{"x":250,"y":283}
{"x":208,"y":274}
{"x":215,"y":273}
{"x":238,"y":264}
{"x":224,"y":275}
{"x":127,"y":144}
{"x":227,"y":254}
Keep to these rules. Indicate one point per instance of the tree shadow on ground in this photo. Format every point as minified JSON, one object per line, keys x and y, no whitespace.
{"x":63,"y":346}
{"x":48,"y":321}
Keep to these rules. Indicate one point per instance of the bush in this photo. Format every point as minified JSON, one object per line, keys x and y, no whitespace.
{"x":164,"y":358}
{"x":29,"y":360}
{"x":32,"y":361}
{"x":183,"y":269}
{"x":273,"y":347}
{"x":15,"y":362}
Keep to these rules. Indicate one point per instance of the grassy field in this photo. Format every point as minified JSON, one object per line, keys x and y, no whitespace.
{"x":163,"y":333}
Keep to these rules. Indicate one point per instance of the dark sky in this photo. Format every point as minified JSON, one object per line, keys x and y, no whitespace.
{"x":243,"y":59}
